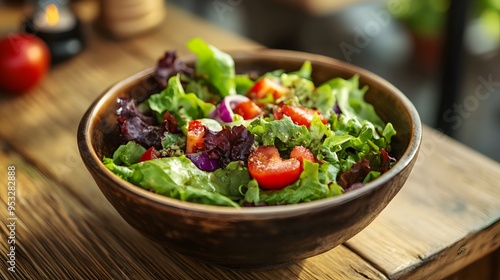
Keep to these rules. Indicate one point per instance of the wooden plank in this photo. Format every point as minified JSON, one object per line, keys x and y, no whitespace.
{"x":11,"y":17}
{"x":487,"y":268}
{"x":59,"y":237}
{"x":445,"y":217}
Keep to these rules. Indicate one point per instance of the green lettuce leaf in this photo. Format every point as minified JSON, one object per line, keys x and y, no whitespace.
{"x":215,"y":65}
{"x":123,"y":172}
{"x":203,"y":90}
{"x":284,"y":133}
{"x":319,"y":132}
{"x":252,"y":193}
{"x":179,"y":178}
{"x":128,"y":154}
{"x":230,"y":179}
{"x":305,"y":70}
{"x":351,"y":100}
{"x":324,"y":100}
{"x":321,"y":98}
{"x":354,"y":141}
{"x":301,"y":88}
{"x":185,"y":107}
{"x":243,"y":83}
{"x":388,"y":132}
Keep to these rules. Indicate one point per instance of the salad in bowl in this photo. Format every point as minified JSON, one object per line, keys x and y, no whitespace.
{"x":250,"y":159}
{"x":213,"y":136}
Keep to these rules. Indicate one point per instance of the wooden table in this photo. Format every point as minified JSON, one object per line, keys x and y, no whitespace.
{"x":445,"y":217}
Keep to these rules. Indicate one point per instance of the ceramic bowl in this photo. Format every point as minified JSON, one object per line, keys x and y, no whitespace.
{"x":256,"y":237}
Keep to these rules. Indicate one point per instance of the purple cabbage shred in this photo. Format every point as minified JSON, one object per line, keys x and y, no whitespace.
{"x":202,"y":161}
{"x":336,"y":109}
{"x":127,"y":109}
{"x":140,"y":127}
{"x":169,"y":66}
{"x":229,"y":144}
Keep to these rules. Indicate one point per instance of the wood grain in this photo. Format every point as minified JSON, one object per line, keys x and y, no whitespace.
{"x":487,"y":268}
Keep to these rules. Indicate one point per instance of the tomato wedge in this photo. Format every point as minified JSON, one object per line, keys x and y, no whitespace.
{"x":270,"y":170}
{"x":247,"y":109}
{"x":302,"y":153}
{"x":195,"y":137}
{"x":266,"y":86}
{"x":299,"y":115}
{"x":149,"y":154}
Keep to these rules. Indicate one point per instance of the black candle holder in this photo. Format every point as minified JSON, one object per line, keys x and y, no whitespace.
{"x":62,"y":44}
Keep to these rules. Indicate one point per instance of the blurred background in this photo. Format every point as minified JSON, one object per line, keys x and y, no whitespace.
{"x":445,"y":57}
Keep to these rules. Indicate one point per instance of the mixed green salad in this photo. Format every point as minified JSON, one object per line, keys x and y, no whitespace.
{"x":217,"y":137}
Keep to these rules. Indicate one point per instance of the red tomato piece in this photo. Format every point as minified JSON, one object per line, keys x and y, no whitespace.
{"x":266,"y":86}
{"x":302,"y":153}
{"x":195,"y":137}
{"x":299,"y":115}
{"x":248,"y":110}
{"x":270,"y":170}
{"x":149,"y":154}
{"x":24,"y":61}
{"x":278,"y":113}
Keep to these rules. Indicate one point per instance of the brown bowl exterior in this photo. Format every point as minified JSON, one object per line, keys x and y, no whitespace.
{"x":262,"y":236}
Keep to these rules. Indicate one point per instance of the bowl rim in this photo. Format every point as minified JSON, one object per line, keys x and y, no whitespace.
{"x":92,"y":161}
